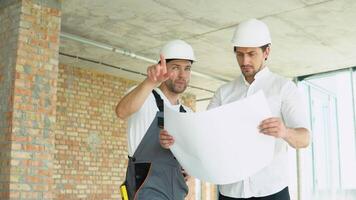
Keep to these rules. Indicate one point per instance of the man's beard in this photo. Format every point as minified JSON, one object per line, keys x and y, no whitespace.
{"x":174,"y":89}
{"x":252,"y":72}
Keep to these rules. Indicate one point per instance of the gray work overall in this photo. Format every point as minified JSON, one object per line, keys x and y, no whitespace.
{"x":153,"y":172}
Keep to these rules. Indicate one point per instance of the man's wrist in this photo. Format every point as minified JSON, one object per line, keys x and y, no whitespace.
{"x":287,"y":134}
{"x":150,"y":84}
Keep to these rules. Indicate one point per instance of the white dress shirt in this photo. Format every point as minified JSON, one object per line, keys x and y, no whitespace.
{"x":139,"y":122}
{"x":286,"y":102}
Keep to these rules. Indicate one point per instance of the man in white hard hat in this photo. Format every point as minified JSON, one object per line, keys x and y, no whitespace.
{"x":153,"y":172}
{"x":251,"y":41}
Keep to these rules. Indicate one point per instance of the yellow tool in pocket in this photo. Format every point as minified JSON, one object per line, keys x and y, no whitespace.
{"x":123,"y":191}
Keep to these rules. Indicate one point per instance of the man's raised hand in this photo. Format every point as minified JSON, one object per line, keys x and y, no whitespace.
{"x":158,"y":73}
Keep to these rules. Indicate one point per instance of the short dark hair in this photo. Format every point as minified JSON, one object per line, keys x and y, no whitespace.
{"x":169,"y":60}
{"x":264,"y":47}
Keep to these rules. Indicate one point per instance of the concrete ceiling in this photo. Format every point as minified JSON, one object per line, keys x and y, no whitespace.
{"x":308,"y":36}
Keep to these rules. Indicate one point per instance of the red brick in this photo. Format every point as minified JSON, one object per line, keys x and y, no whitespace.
{"x":31,"y":147}
{"x":33,"y":179}
{"x":41,"y":172}
{"x":21,"y":139}
{"x":32,"y":163}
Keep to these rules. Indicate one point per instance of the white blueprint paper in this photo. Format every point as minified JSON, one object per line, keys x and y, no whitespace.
{"x":222,"y":145}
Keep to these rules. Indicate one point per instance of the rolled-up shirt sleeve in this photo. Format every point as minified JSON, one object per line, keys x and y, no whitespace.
{"x":294,"y":108}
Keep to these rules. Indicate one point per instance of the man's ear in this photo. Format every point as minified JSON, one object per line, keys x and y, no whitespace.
{"x":266,"y":52}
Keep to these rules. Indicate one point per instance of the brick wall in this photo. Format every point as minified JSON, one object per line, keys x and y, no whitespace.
{"x":28,"y":95}
{"x":91,"y":147}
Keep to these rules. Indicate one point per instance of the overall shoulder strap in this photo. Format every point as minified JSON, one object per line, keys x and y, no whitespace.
{"x":160,"y":105}
{"x":181,"y":109}
{"x":159,"y":101}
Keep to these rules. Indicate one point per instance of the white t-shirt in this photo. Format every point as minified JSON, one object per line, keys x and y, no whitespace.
{"x":139,"y":122}
{"x":285,"y":102}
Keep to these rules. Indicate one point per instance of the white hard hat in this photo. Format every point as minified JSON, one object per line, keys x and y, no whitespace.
{"x":251,"y":33}
{"x":178,"y":49}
